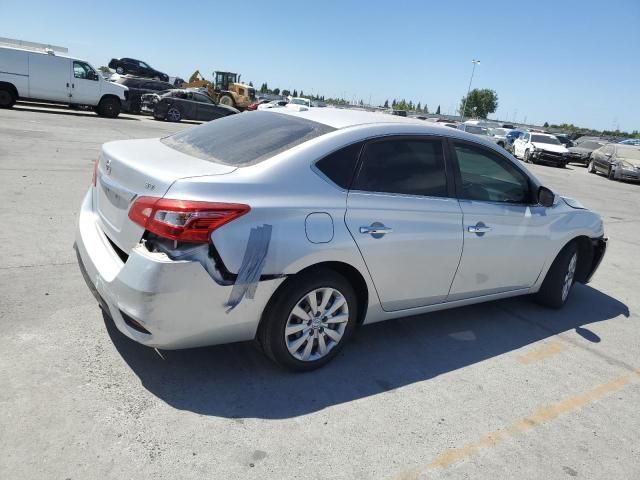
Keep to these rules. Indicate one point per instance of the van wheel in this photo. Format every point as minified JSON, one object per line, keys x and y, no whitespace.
{"x":7,"y":98}
{"x":560,"y":278}
{"x":309,"y":321}
{"x":109,"y":107}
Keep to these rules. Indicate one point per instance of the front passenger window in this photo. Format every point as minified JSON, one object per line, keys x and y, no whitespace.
{"x":488,"y":177}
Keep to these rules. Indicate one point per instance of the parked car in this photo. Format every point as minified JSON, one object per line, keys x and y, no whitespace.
{"x":510,"y":137}
{"x":565,"y":139}
{"x":305,"y":102}
{"x":631,"y":141}
{"x":135,"y":67}
{"x":273,"y":104}
{"x":178,"y":104}
{"x":486,"y":132}
{"x":33,"y":74}
{"x":137,"y":87}
{"x":581,"y":152}
{"x":255,"y":105}
{"x":499,"y":135}
{"x":540,"y":148}
{"x":295,"y":227}
{"x":616,"y":161}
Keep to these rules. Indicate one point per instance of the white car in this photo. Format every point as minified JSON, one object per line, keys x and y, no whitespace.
{"x":305,"y":102}
{"x":31,"y":71}
{"x":272,"y":104}
{"x":295,"y":226}
{"x":540,"y":148}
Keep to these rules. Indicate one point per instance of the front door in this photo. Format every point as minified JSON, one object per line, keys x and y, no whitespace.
{"x":85,"y":84}
{"x":505,"y":231}
{"x":404,"y":222}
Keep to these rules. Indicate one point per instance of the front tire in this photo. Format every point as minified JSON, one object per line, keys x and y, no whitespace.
{"x":173,"y":115}
{"x":309,"y":320}
{"x":119,"y":70}
{"x":611,"y":174}
{"x":560,"y":278}
{"x":227,"y":100}
{"x":591,"y":167}
{"x":527,"y":156}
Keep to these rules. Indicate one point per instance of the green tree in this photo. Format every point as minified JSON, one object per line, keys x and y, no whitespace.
{"x":386,"y":103}
{"x":419,"y":107}
{"x":250,"y":83}
{"x":301,"y":93}
{"x":394,"y":103}
{"x":546,"y":124}
{"x":438,"y":110}
{"x":295,"y":92}
{"x":286,"y":92}
{"x":426,"y":109}
{"x":276,"y":91}
{"x":104,"y":69}
{"x":479,"y":103}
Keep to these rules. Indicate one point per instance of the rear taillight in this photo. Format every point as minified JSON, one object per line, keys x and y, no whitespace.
{"x":183,"y":220}
{"x":94,"y":181}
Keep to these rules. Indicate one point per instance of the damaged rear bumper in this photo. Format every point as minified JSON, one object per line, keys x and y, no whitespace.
{"x":161,"y":302}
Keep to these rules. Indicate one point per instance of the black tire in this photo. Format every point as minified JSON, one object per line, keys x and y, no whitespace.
{"x":109,"y":107}
{"x":119,"y":70}
{"x":7,"y":97}
{"x":551,"y":291}
{"x":591,"y":167}
{"x":271,"y":334}
{"x":173,"y":114}
{"x":227,"y":100}
{"x":611,"y":175}
{"x":526,"y":157}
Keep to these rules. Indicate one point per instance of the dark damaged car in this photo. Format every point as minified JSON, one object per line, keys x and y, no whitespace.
{"x":178,"y":104}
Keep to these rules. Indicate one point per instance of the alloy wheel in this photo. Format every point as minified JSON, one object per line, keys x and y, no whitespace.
{"x":316,"y":324}
{"x":173,"y":114}
{"x":568,"y":278}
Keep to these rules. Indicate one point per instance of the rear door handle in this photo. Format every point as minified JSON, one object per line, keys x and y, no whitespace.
{"x":479,"y":228}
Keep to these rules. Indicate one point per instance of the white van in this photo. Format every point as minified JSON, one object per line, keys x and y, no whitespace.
{"x":39,"y":74}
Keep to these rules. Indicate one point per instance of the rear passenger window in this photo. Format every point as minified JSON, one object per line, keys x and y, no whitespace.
{"x":340,"y":165}
{"x":412,"y":167}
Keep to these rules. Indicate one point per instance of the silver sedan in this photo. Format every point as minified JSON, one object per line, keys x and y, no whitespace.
{"x":295,"y":226}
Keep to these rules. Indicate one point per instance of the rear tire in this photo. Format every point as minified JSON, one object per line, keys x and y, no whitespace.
{"x":527,"y":157}
{"x":109,"y":107}
{"x":279,"y":317}
{"x":7,"y":97}
{"x":560,"y":278}
{"x":119,"y":70}
{"x":611,"y":174}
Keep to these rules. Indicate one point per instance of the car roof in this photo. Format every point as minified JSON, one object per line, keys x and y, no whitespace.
{"x":343,"y":118}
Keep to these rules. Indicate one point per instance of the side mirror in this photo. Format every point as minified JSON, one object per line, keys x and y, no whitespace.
{"x":546,"y":197}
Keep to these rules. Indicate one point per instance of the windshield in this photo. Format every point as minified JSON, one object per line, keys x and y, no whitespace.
{"x":245,"y":139}
{"x":300,"y":101}
{"x":632,"y":153}
{"x":591,"y":145}
{"x":476,"y":130}
{"x":545,"y":139}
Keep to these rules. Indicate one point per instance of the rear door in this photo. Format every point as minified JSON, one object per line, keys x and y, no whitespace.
{"x":85,"y":84}
{"x":505,"y":231}
{"x":401,"y":213}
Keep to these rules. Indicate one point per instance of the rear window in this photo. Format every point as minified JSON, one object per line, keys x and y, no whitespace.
{"x":245,"y":139}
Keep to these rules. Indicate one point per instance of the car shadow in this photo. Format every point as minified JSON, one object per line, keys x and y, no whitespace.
{"x":63,"y":110}
{"x":238,"y":381}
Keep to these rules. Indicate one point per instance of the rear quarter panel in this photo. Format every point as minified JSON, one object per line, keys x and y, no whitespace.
{"x":14,"y":69}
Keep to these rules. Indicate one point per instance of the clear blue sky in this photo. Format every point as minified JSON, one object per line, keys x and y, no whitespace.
{"x":555,"y":61}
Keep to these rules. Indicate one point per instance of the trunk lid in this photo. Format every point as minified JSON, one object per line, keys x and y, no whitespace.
{"x":132,"y":168}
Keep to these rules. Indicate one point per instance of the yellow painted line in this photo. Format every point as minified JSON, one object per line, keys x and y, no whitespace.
{"x":543,"y":352}
{"x":539,"y":417}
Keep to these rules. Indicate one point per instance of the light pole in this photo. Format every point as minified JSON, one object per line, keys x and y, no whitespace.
{"x":464,"y":105}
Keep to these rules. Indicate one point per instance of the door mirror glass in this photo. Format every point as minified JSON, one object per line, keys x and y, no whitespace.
{"x":546,"y":197}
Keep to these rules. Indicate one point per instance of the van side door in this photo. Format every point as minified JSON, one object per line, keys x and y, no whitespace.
{"x":49,"y":77}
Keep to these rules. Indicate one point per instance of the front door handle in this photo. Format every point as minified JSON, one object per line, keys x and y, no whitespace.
{"x":376,"y":230}
{"x":479,"y":229}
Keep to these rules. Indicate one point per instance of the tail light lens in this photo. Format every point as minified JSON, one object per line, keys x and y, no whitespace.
{"x":94,"y":181}
{"x":183,"y":220}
